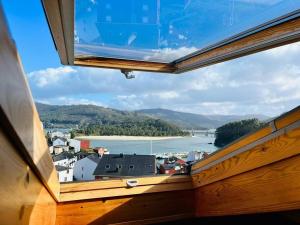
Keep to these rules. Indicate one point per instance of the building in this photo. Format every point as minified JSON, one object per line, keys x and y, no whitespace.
{"x":84,"y":168}
{"x":84,"y":144}
{"x":64,"y":159}
{"x":65,"y":174}
{"x":173,"y":166}
{"x":74,"y":144}
{"x":59,"y":141}
{"x":101,"y":151}
{"x":55,"y":134}
{"x":120,"y":165}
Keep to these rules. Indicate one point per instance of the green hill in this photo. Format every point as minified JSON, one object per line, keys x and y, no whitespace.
{"x":96,"y":120}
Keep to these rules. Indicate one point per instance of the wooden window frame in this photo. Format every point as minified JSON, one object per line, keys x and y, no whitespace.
{"x":280,"y":31}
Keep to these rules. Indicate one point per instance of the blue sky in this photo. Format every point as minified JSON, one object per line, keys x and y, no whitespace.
{"x":264,"y":83}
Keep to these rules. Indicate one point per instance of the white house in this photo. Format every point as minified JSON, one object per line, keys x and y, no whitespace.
{"x":59,"y":141}
{"x":64,"y":159}
{"x":74,"y":144}
{"x":54,"y":134}
{"x":65,"y":174}
{"x":194,"y":156}
{"x":84,"y":168}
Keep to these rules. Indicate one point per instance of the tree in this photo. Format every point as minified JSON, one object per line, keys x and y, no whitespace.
{"x":234,"y":130}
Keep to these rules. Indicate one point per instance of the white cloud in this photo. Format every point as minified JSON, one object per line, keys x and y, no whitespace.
{"x":266,"y":83}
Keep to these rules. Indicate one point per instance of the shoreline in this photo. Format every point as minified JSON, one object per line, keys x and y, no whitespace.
{"x":126,"y":138}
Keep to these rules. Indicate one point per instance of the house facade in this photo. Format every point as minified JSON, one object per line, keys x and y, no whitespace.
{"x":121,"y":165}
{"x":65,"y":174}
{"x":75,"y":144}
{"x":84,"y":168}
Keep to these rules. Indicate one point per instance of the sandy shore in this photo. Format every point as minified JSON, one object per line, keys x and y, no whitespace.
{"x":125,"y":138}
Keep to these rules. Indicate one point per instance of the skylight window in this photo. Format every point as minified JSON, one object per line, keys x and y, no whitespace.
{"x":169,"y":36}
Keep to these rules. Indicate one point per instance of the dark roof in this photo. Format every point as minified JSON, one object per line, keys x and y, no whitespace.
{"x":63,"y":155}
{"x":119,"y":165}
{"x":94,"y":157}
{"x":61,"y":138}
{"x":61,"y":168}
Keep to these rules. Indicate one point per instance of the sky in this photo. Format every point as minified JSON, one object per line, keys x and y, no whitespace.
{"x":265,"y":83}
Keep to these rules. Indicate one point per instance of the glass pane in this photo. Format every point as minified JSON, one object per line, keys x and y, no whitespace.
{"x":165,"y":30}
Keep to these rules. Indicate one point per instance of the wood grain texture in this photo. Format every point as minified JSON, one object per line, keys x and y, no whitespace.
{"x":275,"y":187}
{"x":280,"y":122}
{"x":121,"y":183}
{"x":139,"y":209}
{"x":18,"y":106}
{"x":113,"y":188}
{"x":288,"y":118}
{"x":125,"y":64}
{"x":234,"y":146}
{"x":24,"y":199}
{"x":53,"y":13}
{"x":269,"y":38}
{"x":278,"y":148}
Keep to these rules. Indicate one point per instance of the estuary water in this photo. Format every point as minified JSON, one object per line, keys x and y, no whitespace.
{"x":185,"y":144}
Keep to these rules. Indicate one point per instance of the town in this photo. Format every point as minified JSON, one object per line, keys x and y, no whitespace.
{"x":76,"y":160}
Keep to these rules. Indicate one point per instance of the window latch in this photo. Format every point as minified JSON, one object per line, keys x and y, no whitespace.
{"x":132,"y":183}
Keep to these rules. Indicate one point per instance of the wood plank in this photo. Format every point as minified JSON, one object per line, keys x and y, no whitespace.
{"x":234,"y":146}
{"x":17,"y":104}
{"x":288,"y":118}
{"x":125,"y":64}
{"x":285,"y":145}
{"x":281,"y":34}
{"x":275,"y":187}
{"x":124,"y":191}
{"x":54,"y":18}
{"x":280,"y":122}
{"x":24,"y":199}
{"x":138,"y":209}
{"x":121,"y":183}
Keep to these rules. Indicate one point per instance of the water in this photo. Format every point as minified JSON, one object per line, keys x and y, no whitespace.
{"x":185,"y":144}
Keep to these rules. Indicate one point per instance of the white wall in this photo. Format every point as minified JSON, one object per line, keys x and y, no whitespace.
{"x":65,"y":175}
{"x":75,"y":144}
{"x":84,"y":169}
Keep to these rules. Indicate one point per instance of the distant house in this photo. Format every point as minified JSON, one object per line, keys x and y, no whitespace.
{"x":85,"y":144}
{"x":120,"y":165}
{"x":101,"y":151}
{"x":75,"y":144}
{"x":84,"y":168}
{"x":59,"y":141}
{"x":65,"y":174}
{"x":55,"y":134}
{"x":64,"y":159}
{"x":177,"y":166}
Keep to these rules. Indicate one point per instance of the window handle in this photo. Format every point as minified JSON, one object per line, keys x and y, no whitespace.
{"x":132,"y":183}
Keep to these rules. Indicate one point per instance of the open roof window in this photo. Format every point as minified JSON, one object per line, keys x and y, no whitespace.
{"x":168,"y":36}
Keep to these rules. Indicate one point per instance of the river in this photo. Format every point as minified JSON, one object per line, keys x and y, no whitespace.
{"x":185,"y":144}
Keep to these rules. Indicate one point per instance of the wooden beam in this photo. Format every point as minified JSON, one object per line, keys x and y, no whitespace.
{"x":113,"y":188}
{"x":279,"y":145}
{"x":24,"y":199}
{"x":19,"y":113}
{"x":125,"y":64}
{"x":121,"y":183}
{"x":274,"y":187}
{"x":281,"y":33}
{"x":279,"y":123}
{"x":52,"y":9}
{"x":137,"y":209}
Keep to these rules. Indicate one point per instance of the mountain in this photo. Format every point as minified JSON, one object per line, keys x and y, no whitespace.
{"x":71,"y":115}
{"x":97,"y":120}
{"x":196,"y":121}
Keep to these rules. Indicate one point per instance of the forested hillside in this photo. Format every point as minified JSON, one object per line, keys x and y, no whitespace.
{"x":96,"y":120}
